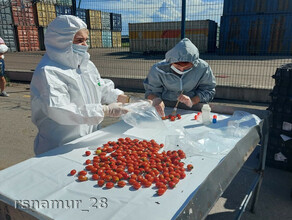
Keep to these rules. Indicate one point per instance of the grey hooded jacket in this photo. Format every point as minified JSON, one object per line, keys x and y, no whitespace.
{"x":200,"y":81}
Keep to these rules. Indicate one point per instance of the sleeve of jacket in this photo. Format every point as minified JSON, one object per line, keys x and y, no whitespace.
{"x":206,"y":87}
{"x":152,"y":83}
{"x":109,"y":93}
{"x":52,"y":95}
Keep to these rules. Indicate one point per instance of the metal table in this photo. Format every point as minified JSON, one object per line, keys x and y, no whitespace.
{"x":195,"y":205}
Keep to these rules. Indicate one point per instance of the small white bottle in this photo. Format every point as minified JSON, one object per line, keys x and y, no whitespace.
{"x":206,"y":114}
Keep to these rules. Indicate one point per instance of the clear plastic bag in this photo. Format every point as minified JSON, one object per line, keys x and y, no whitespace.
{"x":142,"y":115}
{"x":216,"y":141}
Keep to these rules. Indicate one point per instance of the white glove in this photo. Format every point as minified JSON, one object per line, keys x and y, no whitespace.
{"x":114,"y":109}
{"x":186,"y":100}
{"x":159,"y":106}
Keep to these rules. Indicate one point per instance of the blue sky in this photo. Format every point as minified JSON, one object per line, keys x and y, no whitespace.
{"x":138,"y":11}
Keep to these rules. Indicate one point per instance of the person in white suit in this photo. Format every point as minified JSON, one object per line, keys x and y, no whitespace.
{"x":69,"y":99}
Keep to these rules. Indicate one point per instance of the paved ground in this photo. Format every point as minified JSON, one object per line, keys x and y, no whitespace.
{"x":17,"y":134}
{"x":240,"y":71}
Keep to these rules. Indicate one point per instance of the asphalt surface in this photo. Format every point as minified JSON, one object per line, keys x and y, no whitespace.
{"x":239,"y":71}
{"x":17,"y":135}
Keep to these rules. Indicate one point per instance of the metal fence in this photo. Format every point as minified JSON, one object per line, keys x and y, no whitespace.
{"x":250,"y":63}
{"x":243,"y":41}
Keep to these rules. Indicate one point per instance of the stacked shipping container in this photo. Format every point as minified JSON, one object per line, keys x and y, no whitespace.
{"x":23,"y":23}
{"x":256,"y":27}
{"x":162,"y":36}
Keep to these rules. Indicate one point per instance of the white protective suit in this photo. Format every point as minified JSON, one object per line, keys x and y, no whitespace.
{"x":67,"y":91}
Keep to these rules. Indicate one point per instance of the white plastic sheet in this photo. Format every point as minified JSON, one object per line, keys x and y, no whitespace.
{"x":217,"y":141}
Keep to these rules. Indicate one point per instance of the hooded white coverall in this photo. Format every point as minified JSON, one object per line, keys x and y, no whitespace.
{"x":67,"y":91}
{"x":199,"y":81}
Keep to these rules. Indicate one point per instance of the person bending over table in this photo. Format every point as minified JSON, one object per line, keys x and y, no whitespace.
{"x":69,"y":99}
{"x":181,"y":76}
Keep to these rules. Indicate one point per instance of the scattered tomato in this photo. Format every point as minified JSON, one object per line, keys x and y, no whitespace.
{"x":109,"y":185}
{"x":161,"y":191}
{"x":121,"y":183}
{"x":87,"y":153}
{"x":82,"y":178}
{"x":100,"y":183}
{"x":82,"y":173}
{"x":189,"y":167}
{"x":73,"y":172}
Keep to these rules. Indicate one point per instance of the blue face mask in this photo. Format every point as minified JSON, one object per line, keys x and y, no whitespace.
{"x":79,"y":49}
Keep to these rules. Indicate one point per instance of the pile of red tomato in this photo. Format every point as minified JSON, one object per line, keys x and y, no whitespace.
{"x":134,"y":162}
{"x":171,"y":117}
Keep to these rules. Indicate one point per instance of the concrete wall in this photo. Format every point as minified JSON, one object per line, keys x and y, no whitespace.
{"x":131,"y":85}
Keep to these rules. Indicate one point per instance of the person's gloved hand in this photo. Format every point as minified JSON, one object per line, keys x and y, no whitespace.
{"x":159,"y":106}
{"x":114,"y":109}
{"x":123,"y":98}
{"x":186,"y":100}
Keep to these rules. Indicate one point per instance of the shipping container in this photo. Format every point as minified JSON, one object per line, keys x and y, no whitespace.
{"x":63,"y":10}
{"x":22,"y":13}
{"x":105,"y":21}
{"x":95,"y":38}
{"x":117,"y":39}
{"x":162,"y":36}
{"x":82,"y":14}
{"x":94,"y":19}
{"x":256,"y":35}
{"x":106,"y":36}
{"x":5,"y":13}
{"x":249,"y":7}
{"x":116,"y":22}
{"x":7,"y":32}
{"x":45,"y":13}
{"x":64,"y":2}
{"x":28,"y":38}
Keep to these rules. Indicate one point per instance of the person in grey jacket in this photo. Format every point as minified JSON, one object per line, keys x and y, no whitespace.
{"x":182,"y":76}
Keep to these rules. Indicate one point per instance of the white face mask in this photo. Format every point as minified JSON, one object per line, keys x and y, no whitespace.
{"x":180,"y":72}
{"x":3,"y":48}
{"x":79,"y":49}
{"x":2,"y":57}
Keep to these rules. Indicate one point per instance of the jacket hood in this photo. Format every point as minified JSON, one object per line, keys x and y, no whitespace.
{"x":59,"y":39}
{"x":183,"y":51}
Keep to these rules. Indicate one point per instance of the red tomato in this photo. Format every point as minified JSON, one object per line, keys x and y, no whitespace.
{"x":137,"y":185}
{"x":108,"y":178}
{"x":121,"y":183}
{"x":82,"y":178}
{"x":100,"y":183}
{"x":95,"y":177}
{"x":72,"y":172}
{"x":161,"y":191}
{"x":109,"y":185}
{"x":171,"y":184}
{"x":88,"y":162}
{"x":82,"y":173}
{"x":87,"y":153}
{"x":189,"y":167}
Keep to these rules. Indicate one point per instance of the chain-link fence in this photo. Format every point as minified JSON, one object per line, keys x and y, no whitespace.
{"x":243,"y":41}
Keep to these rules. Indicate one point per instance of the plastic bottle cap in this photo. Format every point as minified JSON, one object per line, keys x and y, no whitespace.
{"x":215,"y":116}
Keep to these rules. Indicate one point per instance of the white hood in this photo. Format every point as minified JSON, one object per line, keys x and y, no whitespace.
{"x":59,"y":39}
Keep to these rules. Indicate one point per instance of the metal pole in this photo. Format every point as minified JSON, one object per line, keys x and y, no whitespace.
{"x":183,"y":18}
{"x":74,"y":7}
